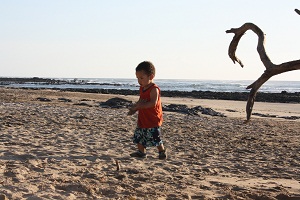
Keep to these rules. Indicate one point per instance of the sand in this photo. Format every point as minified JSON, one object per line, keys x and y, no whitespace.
{"x":79,"y":150}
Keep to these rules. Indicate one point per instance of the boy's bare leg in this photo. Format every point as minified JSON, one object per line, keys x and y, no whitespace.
{"x":141,"y":153}
{"x":161,"y":148}
{"x":162,"y":152}
{"x":141,"y":148}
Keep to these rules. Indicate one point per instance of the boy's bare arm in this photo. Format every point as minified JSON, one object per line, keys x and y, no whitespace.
{"x":133,"y":109}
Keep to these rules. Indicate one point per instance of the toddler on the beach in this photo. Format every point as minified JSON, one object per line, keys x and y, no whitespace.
{"x":150,"y":116}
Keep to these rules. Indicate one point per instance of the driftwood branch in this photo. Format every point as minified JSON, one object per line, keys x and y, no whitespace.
{"x":271,"y":69}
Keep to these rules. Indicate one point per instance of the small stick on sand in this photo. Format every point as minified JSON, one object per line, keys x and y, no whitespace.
{"x":118,"y":165}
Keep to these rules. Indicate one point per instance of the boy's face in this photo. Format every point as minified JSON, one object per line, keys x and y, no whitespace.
{"x":143,"y":78}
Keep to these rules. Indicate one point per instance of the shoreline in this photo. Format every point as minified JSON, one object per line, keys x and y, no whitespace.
{"x":283,"y":97}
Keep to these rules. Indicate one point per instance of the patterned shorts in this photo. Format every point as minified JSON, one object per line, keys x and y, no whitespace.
{"x":147,"y":136}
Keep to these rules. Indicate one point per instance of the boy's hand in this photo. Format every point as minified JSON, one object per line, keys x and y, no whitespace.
{"x":136,"y":107}
{"x":131,"y":111}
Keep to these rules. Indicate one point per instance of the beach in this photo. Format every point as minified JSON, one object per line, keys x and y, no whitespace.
{"x":65,"y":145}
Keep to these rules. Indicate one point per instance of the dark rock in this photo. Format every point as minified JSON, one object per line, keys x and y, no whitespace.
{"x":264,"y":115}
{"x":230,"y":110}
{"x":64,"y":100}
{"x":175,"y":108}
{"x":275,"y":116}
{"x":82,"y":104}
{"x":208,"y":111}
{"x":191,"y":111}
{"x":36,"y":80}
{"x":290,"y":117}
{"x":116,"y":103}
{"x":236,"y":96}
{"x":43,"y":99}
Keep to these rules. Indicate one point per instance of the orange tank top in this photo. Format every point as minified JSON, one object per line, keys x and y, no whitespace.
{"x":150,"y":117}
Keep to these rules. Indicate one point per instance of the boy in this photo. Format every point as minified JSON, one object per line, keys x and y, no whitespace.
{"x":149,"y":110}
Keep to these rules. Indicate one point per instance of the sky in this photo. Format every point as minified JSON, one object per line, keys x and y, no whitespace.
{"x":184,"y":39}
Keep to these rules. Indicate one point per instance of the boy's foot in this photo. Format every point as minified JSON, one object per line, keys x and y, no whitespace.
{"x":138,"y":154}
{"x":162,"y":155}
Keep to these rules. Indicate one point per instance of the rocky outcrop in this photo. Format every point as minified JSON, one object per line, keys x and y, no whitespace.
{"x":283,"y":97}
{"x":191,"y":111}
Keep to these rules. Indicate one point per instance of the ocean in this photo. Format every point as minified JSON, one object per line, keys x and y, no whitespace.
{"x":164,"y":84}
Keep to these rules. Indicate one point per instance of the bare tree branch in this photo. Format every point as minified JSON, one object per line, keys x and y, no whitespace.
{"x":297,"y":11}
{"x":271,"y":69}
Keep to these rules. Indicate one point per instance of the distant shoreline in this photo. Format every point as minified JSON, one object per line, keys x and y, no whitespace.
{"x":234,"y":96}
{"x":283,"y":97}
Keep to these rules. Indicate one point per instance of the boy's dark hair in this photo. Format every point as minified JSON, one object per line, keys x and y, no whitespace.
{"x":147,"y":67}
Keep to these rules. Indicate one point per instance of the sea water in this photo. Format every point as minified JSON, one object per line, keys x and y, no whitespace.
{"x":169,"y":84}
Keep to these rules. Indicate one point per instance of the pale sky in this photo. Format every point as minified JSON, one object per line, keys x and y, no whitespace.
{"x":185,"y":39}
